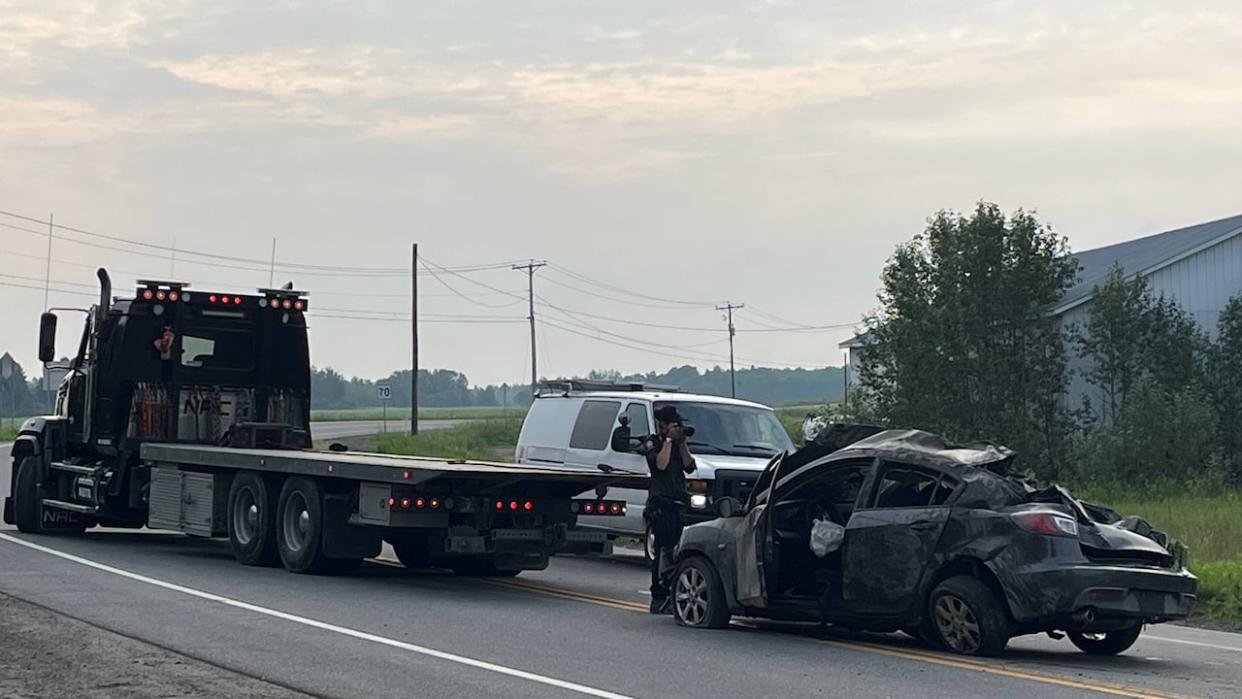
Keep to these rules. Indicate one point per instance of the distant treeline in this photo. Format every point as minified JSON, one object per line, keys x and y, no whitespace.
{"x":330,"y":390}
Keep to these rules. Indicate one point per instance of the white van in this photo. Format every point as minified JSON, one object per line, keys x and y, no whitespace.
{"x":571,"y":424}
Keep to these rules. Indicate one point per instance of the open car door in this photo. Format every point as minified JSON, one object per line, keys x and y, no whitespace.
{"x":754,"y":540}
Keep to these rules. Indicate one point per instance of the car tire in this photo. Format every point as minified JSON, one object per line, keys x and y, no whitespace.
{"x":480,"y":567}
{"x":1107,"y":642}
{"x":649,"y":552}
{"x":965,"y":617}
{"x":299,"y":526}
{"x":698,"y":595}
{"x":252,"y":521}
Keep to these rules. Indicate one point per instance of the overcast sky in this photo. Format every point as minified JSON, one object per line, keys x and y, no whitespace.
{"x":770,"y":153}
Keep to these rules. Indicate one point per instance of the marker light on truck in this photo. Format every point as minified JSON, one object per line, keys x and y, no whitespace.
{"x":528,"y":506}
{"x":147,"y":294}
{"x":213,"y":298}
{"x":405,"y":503}
{"x":160,"y":295}
{"x":420,"y":503}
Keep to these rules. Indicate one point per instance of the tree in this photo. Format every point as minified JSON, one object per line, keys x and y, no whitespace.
{"x":962,"y":342}
{"x":1226,"y":373}
{"x":1131,"y":337}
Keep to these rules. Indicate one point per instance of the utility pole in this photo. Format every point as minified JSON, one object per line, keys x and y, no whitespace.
{"x":271,"y":270}
{"x":414,"y":339}
{"x":530,"y":268}
{"x":729,"y":307}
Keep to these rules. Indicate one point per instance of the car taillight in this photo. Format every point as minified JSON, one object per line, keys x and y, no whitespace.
{"x":1049,"y":523}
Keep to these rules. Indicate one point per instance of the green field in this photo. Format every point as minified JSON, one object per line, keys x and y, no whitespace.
{"x":466,"y":413}
{"x":7,"y":432}
{"x":488,"y":439}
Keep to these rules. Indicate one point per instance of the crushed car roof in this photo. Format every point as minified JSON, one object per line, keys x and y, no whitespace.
{"x":917,"y":446}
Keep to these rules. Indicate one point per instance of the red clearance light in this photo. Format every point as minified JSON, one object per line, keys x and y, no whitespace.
{"x":392,"y":501}
{"x":297,"y":305}
{"x":405,"y":475}
{"x":513,"y":504}
{"x":147,"y":294}
{"x":602,"y":508}
{"x":500,"y":505}
{"x":434,"y":503}
{"x":615,"y":508}
{"x":237,"y":300}
{"x":172,"y":296}
{"x":223,"y":299}
{"x":405,"y":503}
{"x":420,"y":503}
{"x":286,"y":304}
{"x":588,"y":507}
{"x":160,"y":295}
{"x":213,"y":298}
{"x":528,"y":506}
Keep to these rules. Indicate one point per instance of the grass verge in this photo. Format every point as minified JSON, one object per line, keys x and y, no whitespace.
{"x":466,"y":413}
{"x":7,"y":432}
{"x":487,"y":439}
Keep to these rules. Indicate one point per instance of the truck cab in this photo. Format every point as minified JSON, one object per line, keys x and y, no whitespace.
{"x":573,"y":423}
{"x":171,"y":364}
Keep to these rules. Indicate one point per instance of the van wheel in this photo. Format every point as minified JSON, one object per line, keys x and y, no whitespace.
{"x":966,"y":618}
{"x":649,"y":550}
{"x":1105,"y":643}
{"x":299,"y":526}
{"x":698,"y":596}
{"x":252,"y":521}
{"x":27,"y":500}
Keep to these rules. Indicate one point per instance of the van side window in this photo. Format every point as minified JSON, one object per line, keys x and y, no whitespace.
{"x":594,"y":424}
{"x":640,"y":424}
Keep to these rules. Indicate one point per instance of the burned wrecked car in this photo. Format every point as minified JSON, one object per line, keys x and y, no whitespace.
{"x":890,"y":530}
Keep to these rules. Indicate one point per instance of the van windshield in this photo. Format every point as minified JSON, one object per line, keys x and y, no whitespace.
{"x":735,"y":430}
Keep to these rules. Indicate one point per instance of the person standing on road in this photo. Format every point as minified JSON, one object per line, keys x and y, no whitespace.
{"x":669,"y":460}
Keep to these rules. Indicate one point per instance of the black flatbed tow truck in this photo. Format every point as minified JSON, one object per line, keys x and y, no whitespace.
{"x":189,"y":412}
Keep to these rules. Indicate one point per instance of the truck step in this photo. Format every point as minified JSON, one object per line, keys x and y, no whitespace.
{"x":72,"y":507}
{"x":73,"y":468}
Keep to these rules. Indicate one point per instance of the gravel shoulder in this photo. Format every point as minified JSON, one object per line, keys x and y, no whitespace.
{"x":45,"y":654}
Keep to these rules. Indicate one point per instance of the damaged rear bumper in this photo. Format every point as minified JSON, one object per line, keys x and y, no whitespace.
{"x":1094,"y":596}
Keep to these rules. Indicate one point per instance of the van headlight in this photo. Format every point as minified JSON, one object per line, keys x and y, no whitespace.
{"x":698,"y":502}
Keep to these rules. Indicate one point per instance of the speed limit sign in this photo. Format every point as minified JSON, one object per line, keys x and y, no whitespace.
{"x":384,"y":391}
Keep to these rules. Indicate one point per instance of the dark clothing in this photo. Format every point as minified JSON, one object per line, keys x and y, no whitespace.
{"x":664,"y":518}
{"x":671,"y":482}
{"x":667,"y":497}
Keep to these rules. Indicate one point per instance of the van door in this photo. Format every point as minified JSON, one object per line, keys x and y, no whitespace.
{"x":639,"y":414}
{"x":588,"y":442}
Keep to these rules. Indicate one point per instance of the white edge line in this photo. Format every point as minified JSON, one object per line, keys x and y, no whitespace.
{"x":352,"y":633}
{"x":1149,"y":637}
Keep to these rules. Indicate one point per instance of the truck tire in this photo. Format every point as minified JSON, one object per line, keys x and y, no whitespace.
{"x":299,"y":526}
{"x":966,"y":618}
{"x":252,"y":521}
{"x":1105,"y":643}
{"x":27,"y":500}
{"x":479,"y":567}
{"x":698,"y":595}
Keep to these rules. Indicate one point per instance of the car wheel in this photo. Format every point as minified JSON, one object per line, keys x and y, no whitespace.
{"x":1105,"y":642}
{"x":299,"y":526}
{"x":252,"y":521}
{"x":967,"y":618}
{"x":698,"y":595}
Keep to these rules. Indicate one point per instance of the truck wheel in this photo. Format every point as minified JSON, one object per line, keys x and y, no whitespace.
{"x":1105,"y":643}
{"x":299,"y":526}
{"x":252,"y":521}
{"x":412,"y":553}
{"x":27,"y":501}
{"x":966,"y":618}
{"x":698,"y":595}
{"x":480,"y":567}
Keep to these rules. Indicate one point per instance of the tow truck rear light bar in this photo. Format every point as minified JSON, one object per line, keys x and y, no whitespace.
{"x":610,"y":508}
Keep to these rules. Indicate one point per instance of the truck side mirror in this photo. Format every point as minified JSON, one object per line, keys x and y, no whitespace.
{"x":621,"y":437}
{"x":47,"y":337}
{"x":728,"y":507}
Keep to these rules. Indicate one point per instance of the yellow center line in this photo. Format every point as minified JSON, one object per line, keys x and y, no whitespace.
{"x":961,"y":663}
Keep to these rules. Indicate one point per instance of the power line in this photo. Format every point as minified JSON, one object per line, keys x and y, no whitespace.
{"x":628,"y":292}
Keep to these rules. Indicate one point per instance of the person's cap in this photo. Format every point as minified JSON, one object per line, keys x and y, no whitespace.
{"x":667,"y":414}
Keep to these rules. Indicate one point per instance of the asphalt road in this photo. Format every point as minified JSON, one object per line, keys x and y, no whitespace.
{"x":578,"y":628}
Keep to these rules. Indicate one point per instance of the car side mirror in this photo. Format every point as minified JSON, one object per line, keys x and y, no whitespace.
{"x":47,"y":337}
{"x":728,"y":507}
{"x":621,"y":437}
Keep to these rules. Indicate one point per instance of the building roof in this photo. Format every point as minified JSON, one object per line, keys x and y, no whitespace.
{"x":1144,"y":256}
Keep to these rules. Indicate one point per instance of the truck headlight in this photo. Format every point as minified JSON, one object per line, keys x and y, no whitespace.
{"x":698,"y":502}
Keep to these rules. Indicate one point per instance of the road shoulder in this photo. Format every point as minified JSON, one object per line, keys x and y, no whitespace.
{"x":45,"y":654}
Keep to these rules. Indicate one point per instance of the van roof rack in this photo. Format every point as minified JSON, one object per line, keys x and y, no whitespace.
{"x":574,"y":385}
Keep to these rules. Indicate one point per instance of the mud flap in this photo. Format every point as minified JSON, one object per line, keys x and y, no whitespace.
{"x":344,"y":540}
{"x":55,"y":519}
